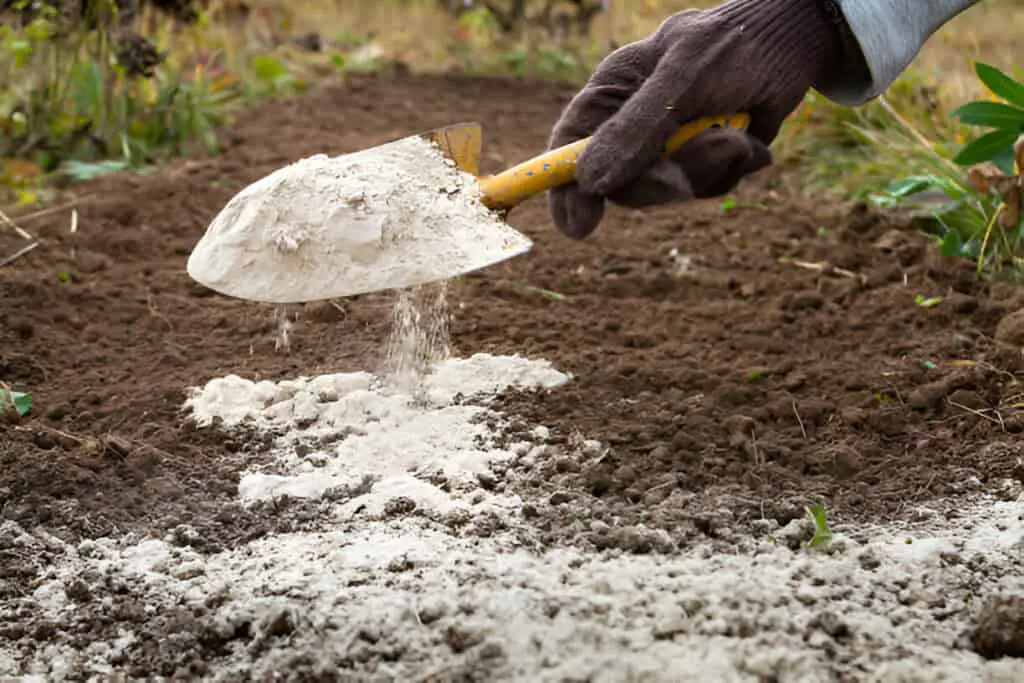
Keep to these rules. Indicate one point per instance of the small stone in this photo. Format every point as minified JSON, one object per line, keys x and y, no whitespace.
{"x":802,"y":301}
{"x":1010,"y":330}
{"x":278,"y":624}
{"x":490,"y":650}
{"x":999,"y":630}
{"x":967,"y":399}
{"x":927,"y":396}
{"x":78,"y":591}
{"x":564,"y":465}
{"x":869,"y":560}
{"x":90,"y":262}
{"x":794,"y":534}
{"x":560,"y":497}
{"x":431,"y":612}
{"x":189,"y":571}
{"x":962,"y":303}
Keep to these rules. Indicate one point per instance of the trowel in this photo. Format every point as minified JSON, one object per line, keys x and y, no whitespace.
{"x":321,"y":234}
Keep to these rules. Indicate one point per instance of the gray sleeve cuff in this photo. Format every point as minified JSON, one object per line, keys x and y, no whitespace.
{"x":890,"y":34}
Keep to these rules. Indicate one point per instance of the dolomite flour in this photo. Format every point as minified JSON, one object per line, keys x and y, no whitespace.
{"x":325,"y":227}
{"x":345,"y":432}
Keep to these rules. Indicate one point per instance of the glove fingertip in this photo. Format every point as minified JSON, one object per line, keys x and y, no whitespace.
{"x":761,"y":156}
{"x":575,"y":214}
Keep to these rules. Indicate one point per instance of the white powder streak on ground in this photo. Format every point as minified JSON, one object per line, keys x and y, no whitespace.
{"x":401,"y":598}
{"x":325,"y":227}
{"x":365,"y":590}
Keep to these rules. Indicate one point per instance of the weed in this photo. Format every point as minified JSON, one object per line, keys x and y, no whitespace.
{"x":19,"y":401}
{"x":822,"y":532}
{"x":90,"y":97}
{"x":969,"y":194}
{"x":77,"y":93}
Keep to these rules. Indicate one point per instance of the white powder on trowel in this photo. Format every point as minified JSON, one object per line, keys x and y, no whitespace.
{"x":388,"y":217}
{"x":345,"y":432}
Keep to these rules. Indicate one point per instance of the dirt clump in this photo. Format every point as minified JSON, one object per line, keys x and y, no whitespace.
{"x":1000,"y":627}
{"x":1010,"y":330}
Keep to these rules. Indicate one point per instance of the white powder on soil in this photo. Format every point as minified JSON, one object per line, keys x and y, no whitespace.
{"x":388,"y":217}
{"x":376,"y":434}
{"x":415,"y":596}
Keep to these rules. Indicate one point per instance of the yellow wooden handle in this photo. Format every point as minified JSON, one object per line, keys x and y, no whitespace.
{"x":557,"y":167}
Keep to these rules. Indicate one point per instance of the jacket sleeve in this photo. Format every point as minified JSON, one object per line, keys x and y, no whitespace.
{"x":890,"y":34}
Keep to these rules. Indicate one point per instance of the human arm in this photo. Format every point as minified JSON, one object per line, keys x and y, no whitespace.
{"x":890,"y":34}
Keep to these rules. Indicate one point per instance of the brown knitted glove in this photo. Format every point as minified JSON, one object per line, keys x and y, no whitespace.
{"x":754,"y":56}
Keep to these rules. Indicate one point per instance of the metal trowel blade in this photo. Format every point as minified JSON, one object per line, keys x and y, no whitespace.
{"x":261,"y":248}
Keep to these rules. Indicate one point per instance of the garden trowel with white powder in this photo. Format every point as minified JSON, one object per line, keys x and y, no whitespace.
{"x":404,"y":213}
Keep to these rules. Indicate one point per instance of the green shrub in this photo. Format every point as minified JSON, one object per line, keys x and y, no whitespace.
{"x":979,"y":184}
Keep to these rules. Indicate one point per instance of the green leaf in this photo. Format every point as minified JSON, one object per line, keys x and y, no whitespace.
{"x":990,"y":115}
{"x":1004,"y":161}
{"x":268,"y":69}
{"x":22,"y":402}
{"x":986,"y":148}
{"x":910,"y":186}
{"x":83,"y":170}
{"x":951,"y":244}
{"x":822,"y":534}
{"x":972,"y":249}
{"x":1000,"y":84}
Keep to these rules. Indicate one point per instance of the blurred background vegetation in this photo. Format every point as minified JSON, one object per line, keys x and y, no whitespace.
{"x":92,"y":86}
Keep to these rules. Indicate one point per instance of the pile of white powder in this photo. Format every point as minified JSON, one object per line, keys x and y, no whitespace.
{"x":326,"y":227}
{"x":351,"y":431}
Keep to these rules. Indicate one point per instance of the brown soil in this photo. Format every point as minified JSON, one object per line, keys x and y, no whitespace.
{"x":744,"y":387}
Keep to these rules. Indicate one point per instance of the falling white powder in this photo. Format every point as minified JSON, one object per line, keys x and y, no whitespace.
{"x":344,"y":432}
{"x":419,"y":337}
{"x":388,"y":217}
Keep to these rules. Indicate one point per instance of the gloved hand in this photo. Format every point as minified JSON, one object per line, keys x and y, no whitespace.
{"x":754,"y":56}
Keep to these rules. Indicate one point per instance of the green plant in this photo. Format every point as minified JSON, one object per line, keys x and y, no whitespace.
{"x":970,"y":195}
{"x":74,"y":93}
{"x":822,"y":532}
{"x":927,"y":301}
{"x":19,"y":401}
{"x":1005,"y":120}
